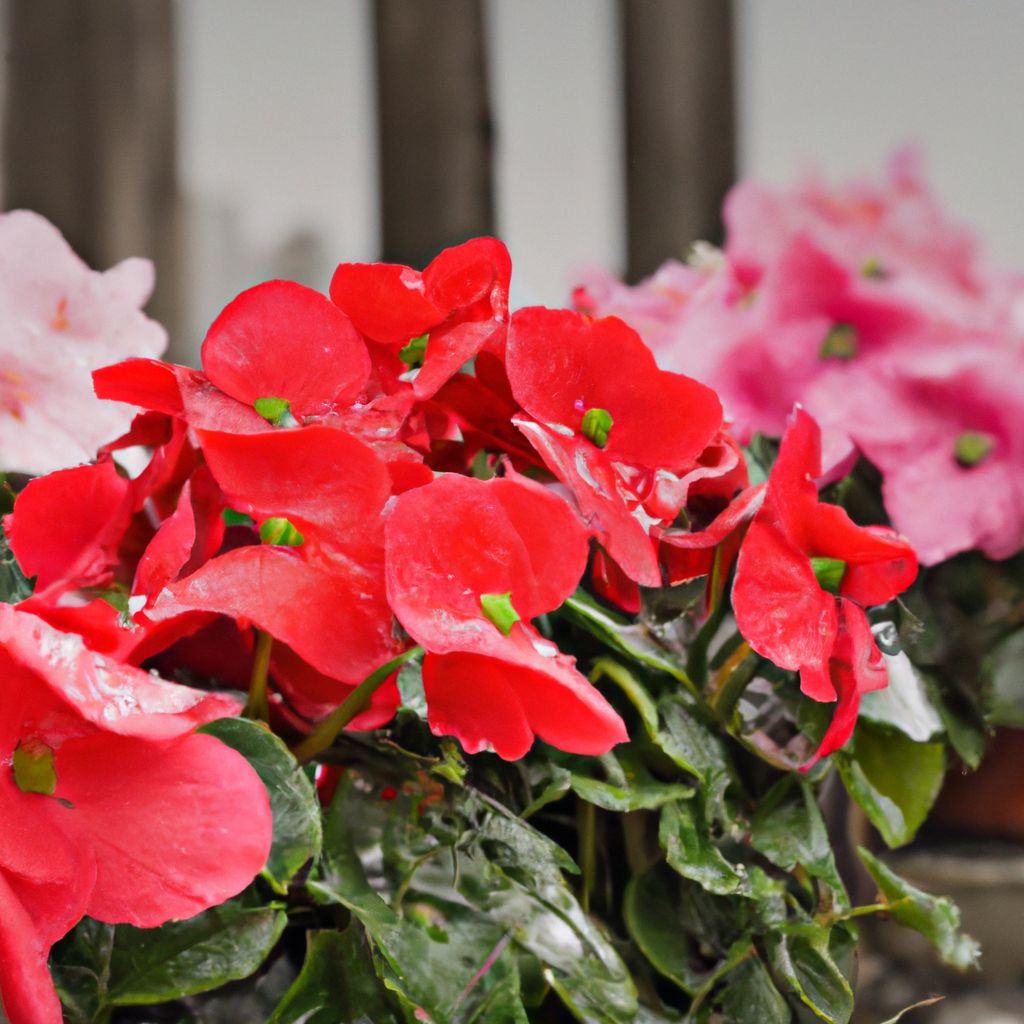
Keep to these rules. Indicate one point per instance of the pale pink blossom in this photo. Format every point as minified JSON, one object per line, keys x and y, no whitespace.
{"x":60,"y":320}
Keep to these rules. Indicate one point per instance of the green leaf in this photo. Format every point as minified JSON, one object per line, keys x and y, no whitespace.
{"x":80,"y":964}
{"x":893,"y":779}
{"x":689,"y":849}
{"x":751,"y":997}
{"x":650,"y":908}
{"x":904,"y":704}
{"x":14,"y":585}
{"x":937,"y":918}
{"x":628,"y":786}
{"x":293,"y":800}
{"x":338,"y":984}
{"x":457,"y":959}
{"x":635,"y":641}
{"x":804,"y":960}
{"x":791,"y":831}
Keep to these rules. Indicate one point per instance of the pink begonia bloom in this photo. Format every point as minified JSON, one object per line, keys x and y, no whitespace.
{"x":890,"y":231}
{"x":944,"y":423}
{"x":59,"y":321}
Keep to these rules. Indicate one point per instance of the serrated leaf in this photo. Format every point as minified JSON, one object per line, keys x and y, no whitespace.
{"x":293,"y":800}
{"x":893,"y":779}
{"x":689,"y":849}
{"x":804,"y":960}
{"x":337,"y":984}
{"x":937,"y":918}
{"x":789,"y":830}
{"x":751,"y":997}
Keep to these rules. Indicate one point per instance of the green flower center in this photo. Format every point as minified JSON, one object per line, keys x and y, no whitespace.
{"x":33,"y":768}
{"x":973,"y":447}
{"x":829,"y":573}
{"x":840,"y":343}
{"x":596,"y":425}
{"x":498,"y":609}
{"x":280,"y":531}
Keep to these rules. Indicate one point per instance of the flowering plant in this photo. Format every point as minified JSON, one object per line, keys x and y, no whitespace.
{"x":544,"y":650}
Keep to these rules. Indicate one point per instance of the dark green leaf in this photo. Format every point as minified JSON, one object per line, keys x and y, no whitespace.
{"x":893,"y":779}
{"x":1005,"y":672}
{"x":80,"y":964}
{"x":153,"y":965}
{"x":685,"y":738}
{"x":751,"y":997}
{"x":803,"y":959}
{"x":651,"y":910}
{"x":635,"y":641}
{"x":789,"y":830}
{"x":338,"y":984}
{"x":628,"y":785}
{"x":937,"y":918}
{"x":296,"y":810}
{"x":689,"y":849}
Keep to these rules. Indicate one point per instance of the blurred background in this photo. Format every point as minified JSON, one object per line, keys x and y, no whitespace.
{"x":236,"y":140}
{"x":233,"y":141}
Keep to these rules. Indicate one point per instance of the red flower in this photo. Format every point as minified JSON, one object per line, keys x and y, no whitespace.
{"x":320,"y":589}
{"x":99,"y":767}
{"x":804,"y":575}
{"x":469,"y":564}
{"x":609,"y":424}
{"x":439,"y":318}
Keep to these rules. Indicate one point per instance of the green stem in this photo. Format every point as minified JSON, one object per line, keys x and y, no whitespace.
{"x":257,"y":706}
{"x":328,"y":730}
{"x":723,"y":702}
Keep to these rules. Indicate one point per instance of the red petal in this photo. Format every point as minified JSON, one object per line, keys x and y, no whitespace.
{"x":316,"y":475}
{"x":560,"y":364}
{"x":465,"y":274}
{"x":330,"y":610}
{"x":80,"y":548}
{"x":26,"y":988}
{"x":177,"y":827}
{"x":385,"y":301}
{"x":604,"y":502}
{"x":283,"y":340}
{"x":611,"y":583}
{"x":108,"y":694}
{"x":458,"y":538}
{"x":502,"y":702}
{"x":148,"y":383}
{"x":780,"y":609}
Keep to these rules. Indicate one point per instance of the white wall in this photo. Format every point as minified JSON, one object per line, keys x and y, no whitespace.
{"x":842,"y":82}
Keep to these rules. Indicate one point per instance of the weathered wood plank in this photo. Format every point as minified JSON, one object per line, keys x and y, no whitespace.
{"x":434,"y":126}
{"x":680,"y":125}
{"x":89,"y":132}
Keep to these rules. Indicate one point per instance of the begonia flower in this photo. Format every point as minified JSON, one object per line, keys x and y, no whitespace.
{"x":469,"y":564}
{"x":436,"y":320}
{"x":99,"y":771}
{"x":804,"y":575}
{"x":59,"y":320}
{"x":944,"y":423}
{"x":615,"y":429}
{"x":316,"y":582}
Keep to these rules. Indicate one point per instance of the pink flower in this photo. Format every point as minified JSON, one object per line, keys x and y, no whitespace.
{"x":59,"y":320}
{"x":944,"y":423}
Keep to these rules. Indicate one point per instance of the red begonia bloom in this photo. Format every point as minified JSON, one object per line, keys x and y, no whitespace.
{"x":781,"y":608}
{"x":460,"y":301}
{"x":458,"y":543}
{"x":324,"y":598}
{"x":99,"y":771}
{"x":609,"y":435}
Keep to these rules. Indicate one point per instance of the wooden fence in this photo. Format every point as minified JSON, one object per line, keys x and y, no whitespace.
{"x":89,"y":133}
